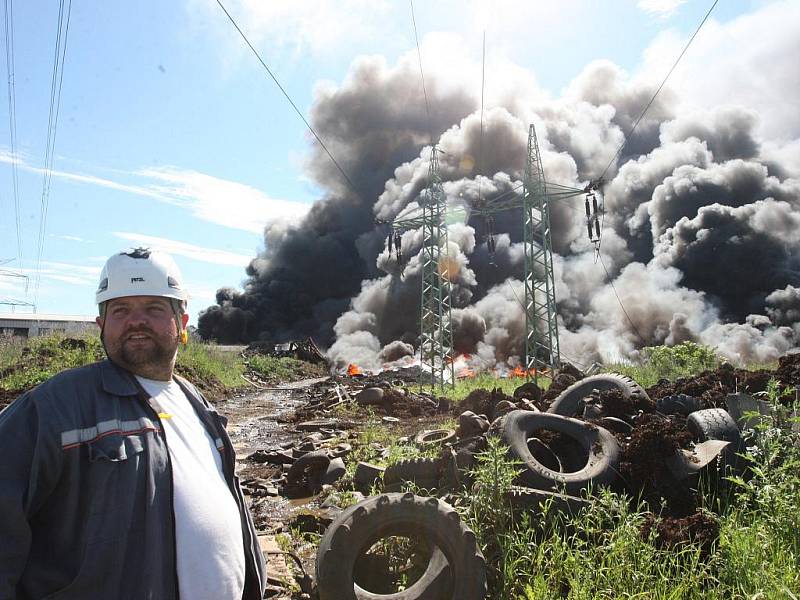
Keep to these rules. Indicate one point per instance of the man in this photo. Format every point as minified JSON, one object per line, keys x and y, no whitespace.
{"x":116,"y":479}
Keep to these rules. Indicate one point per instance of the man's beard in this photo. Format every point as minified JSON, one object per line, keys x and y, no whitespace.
{"x":159,"y":354}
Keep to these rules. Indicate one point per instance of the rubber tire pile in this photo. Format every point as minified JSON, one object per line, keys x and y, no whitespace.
{"x":457,"y":569}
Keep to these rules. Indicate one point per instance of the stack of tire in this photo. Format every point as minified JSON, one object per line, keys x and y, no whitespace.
{"x":592,"y":461}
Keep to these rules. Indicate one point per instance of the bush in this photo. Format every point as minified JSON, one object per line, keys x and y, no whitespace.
{"x":25,"y":364}
{"x":669,"y":362}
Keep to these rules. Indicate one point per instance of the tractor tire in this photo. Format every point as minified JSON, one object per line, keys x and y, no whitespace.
{"x":431,"y":519}
{"x":568,"y":403}
{"x":599,"y":445}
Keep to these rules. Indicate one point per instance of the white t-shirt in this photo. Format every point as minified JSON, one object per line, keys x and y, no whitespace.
{"x":208,"y":529}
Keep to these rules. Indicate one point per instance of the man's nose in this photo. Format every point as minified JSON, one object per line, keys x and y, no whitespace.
{"x":137,"y":317}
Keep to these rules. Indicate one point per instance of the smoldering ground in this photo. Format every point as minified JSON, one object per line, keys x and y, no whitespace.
{"x":700,"y":225}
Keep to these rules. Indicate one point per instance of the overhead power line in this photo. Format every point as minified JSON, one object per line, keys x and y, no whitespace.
{"x":480,"y":140}
{"x":652,"y":99}
{"x":627,"y":316}
{"x":56,"y":84}
{"x":421,"y":73}
{"x":12,"y":118}
{"x":286,"y":95}
{"x":644,"y":111}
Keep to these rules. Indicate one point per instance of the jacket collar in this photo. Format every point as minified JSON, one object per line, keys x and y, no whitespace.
{"x":116,"y":380}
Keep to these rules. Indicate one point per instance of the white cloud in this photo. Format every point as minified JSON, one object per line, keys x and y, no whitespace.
{"x":660,"y":8}
{"x":69,"y":273}
{"x":71,"y":238}
{"x":220,"y":201}
{"x":750,"y":61}
{"x":301,"y":26}
{"x":199,"y":253}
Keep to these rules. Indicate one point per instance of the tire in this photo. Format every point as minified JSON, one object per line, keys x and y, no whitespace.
{"x":432,"y":437}
{"x":718,"y":424}
{"x":568,"y":402}
{"x":601,"y":446}
{"x":422,"y":472}
{"x":615,"y":425}
{"x":335,"y":471}
{"x":431,"y":519}
{"x":543,"y":454}
{"x":678,"y":404}
{"x":311,"y":466}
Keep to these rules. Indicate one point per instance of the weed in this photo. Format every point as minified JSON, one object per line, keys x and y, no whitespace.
{"x":206,"y":361}
{"x":27,"y":364}
{"x":668,"y":362}
{"x":485,"y":381}
{"x":271,"y":368}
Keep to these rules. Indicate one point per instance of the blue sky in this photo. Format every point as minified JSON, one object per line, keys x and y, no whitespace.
{"x":170,"y":133}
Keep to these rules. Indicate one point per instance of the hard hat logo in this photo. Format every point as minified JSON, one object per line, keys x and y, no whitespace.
{"x":135,"y":279}
{"x":138,"y":253}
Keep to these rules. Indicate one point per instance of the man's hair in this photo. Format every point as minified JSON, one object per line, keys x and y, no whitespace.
{"x":178,"y":306}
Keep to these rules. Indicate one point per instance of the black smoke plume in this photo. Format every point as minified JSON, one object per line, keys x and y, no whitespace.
{"x":701,"y":225}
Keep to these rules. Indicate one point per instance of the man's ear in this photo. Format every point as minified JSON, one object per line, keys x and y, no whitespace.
{"x":99,"y":321}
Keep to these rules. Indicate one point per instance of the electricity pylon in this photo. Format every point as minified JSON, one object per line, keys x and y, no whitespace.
{"x":436,"y":330}
{"x":541,"y":324}
{"x":541,"y":338}
{"x":11,"y":301}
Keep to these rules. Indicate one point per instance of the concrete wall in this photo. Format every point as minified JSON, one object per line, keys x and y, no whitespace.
{"x":29,"y":328}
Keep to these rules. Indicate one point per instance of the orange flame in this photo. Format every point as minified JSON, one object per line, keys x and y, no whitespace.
{"x":354,"y":370}
{"x":465,"y":373}
{"x":518,"y":372}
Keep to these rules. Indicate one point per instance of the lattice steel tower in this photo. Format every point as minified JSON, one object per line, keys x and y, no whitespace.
{"x":541,"y":338}
{"x":436,"y":333}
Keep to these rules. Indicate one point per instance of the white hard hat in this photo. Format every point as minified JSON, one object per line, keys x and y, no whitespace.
{"x":141,"y":272}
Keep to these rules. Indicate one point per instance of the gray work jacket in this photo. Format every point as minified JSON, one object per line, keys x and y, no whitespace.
{"x":86,"y":491}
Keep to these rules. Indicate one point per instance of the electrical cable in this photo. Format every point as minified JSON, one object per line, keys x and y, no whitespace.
{"x":646,"y":108}
{"x":652,"y":99}
{"x":286,"y":95}
{"x":480,"y":139}
{"x":52,"y":128}
{"x":611,"y":283}
{"x":421,"y":73}
{"x":12,"y":118}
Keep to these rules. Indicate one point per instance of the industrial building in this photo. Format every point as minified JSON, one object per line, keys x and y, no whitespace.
{"x":32,"y":324}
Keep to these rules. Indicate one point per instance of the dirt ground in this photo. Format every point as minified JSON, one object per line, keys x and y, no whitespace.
{"x":712,"y":386}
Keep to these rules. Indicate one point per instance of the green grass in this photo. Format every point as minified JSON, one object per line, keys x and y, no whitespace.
{"x":271,"y":368}
{"x":374,"y":435}
{"x":25,"y":363}
{"x":602,"y":553}
{"x":485,"y":381}
{"x":206,"y":361}
{"x":668,"y":362}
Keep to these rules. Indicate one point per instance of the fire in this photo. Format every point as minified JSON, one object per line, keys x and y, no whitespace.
{"x":518,"y":372}
{"x":354,"y":370}
{"x":465,"y":373}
